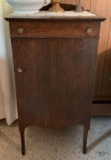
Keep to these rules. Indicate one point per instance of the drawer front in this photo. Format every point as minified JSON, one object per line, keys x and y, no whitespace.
{"x":50,"y":29}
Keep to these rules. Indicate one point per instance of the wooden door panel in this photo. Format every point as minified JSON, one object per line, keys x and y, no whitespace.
{"x":56,"y":72}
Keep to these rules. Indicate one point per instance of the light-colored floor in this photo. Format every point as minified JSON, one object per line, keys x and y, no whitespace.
{"x":62,"y":144}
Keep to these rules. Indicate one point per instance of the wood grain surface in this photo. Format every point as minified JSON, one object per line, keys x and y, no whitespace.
{"x":40,"y":28}
{"x":54,"y":66}
{"x":106,"y":91}
{"x":56,"y":85}
{"x":103,"y":70}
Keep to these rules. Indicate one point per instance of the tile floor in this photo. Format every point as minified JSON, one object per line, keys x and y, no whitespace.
{"x":62,"y":144}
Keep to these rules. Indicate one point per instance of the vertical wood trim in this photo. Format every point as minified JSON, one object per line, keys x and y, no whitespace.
{"x":106,"y":91}
{"x":107,"y":70}
{"x":101,"y":9}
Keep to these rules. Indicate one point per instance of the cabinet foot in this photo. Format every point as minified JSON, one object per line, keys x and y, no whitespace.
{"x":22,"y":142}
{"x":85,"y":135}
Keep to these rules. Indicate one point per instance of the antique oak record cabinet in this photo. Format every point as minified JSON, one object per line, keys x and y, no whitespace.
{"x":54,"y":67}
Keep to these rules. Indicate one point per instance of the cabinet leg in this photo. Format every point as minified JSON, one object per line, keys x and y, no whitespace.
{"x":85,"y":135}
{"x":22,"y":141}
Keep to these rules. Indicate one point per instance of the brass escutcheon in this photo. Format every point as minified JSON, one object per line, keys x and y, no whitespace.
{"x":20,"y":69}
{"x":20,"y":30}
{"x":89,"y":30}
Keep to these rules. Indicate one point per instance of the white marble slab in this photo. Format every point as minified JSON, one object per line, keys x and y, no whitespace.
{"x":54,"y":14}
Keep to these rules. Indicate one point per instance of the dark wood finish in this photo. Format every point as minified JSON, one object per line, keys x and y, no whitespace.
{"x":54,"y":65}
{"x":22,"y":141}
{"x":101,"y":109}
{"x":85,"y":135}
{"x":59,"y":29}
{"x":51,"y":72}
{"x":102,"y":100}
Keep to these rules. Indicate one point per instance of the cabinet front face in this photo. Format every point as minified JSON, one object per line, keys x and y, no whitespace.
{"x":54,"y":80}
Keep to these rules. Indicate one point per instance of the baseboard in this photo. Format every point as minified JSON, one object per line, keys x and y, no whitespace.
{"x":101,"y":109}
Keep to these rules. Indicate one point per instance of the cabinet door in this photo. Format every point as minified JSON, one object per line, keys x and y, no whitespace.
{"x":56,"y":85}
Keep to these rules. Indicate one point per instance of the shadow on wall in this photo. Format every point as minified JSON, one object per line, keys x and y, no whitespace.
{"x":103,"y":75}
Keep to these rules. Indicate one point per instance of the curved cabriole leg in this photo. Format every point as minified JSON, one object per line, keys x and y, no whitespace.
{"x":85,"y":135}
{"x":22,"y":141}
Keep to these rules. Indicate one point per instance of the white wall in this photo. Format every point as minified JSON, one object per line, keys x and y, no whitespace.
{"x":7,"y":92}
